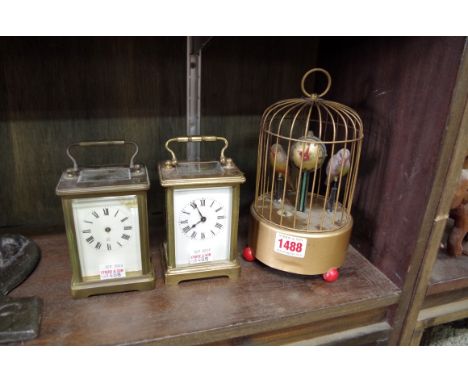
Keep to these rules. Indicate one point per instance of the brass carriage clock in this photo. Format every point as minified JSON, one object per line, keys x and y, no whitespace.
{"x":107,"y":225}
{"x":202,"y":212}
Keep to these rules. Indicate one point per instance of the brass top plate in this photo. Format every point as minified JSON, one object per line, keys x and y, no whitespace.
{"x":193,"y":173}
{"x":100,"y":180}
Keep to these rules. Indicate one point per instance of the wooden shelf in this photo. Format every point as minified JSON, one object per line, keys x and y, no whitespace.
{"x":448,"y":274}
{"x":264,"y":307}
{"x":446,"y":298}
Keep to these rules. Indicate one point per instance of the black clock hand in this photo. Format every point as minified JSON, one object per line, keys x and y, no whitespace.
{"x":200,"y":213}
{"x":202,"y":220}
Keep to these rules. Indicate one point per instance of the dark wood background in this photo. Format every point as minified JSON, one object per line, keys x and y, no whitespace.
{"x":54,"y":91}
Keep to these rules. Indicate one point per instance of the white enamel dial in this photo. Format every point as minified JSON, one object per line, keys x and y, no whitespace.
{"x":202,"y":224}
{"x":108,"y":233}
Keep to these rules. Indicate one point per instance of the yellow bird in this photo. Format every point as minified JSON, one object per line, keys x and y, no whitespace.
{"x":308,"y":153}
{"x":278,"y":158}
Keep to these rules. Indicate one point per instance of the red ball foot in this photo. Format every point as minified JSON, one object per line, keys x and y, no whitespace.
{"x":247,"y":253}
{"x":331,"y":275}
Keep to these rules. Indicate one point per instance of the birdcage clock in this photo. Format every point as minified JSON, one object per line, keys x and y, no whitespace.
{"x":107,"y":225}
{"x":307,"y":165}
{"x":202,"y":211}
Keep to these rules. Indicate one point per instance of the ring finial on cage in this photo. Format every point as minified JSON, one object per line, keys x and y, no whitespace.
{"x":314,"y":96}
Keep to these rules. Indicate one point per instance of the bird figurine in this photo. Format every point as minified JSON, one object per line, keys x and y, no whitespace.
{"x":278,"y":158}
{"x":339,"y":164}
{"x":308,"y":154}
{"x":279,"y":162}
{"x":308,"y":151}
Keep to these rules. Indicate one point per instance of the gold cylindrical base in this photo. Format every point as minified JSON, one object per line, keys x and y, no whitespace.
{"x":324,"y":250}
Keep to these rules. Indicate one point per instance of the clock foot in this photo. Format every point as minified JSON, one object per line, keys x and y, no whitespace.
{"x":137,"y":283}
{"x":174,"y":276}
{"x":248,"y":254}
{"x":332,"y":275}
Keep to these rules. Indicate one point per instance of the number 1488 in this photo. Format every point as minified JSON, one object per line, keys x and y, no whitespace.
{"x":290,"y":245}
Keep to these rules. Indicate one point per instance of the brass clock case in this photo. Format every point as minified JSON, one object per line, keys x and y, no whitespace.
{"x":183,"y":175}
{"x":103,"y":182}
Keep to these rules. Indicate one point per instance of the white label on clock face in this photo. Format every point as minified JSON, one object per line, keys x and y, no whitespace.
{"x":108,"y":233}
{"x":202,"y":225}
{"x":111,"y":271}
{"x":200,"y":256}
{"x":290,"y":245}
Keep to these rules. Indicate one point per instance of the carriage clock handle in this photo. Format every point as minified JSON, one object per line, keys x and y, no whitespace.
{"x":226,"y":162}
{"x":101,"y":143}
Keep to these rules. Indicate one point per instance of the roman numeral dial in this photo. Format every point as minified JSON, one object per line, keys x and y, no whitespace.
{"x":202,"y":219}
{"x":107,"y":235}
{"x":106,"y":229}
{"x":201,"y":224}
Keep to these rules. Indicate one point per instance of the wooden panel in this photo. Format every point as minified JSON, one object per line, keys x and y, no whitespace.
{"x":450,"y":162}
{"x":316,"y":333}
{"x":449,"y":273}
{"x":445,"y":297}
{"x":402,"y":88}
{"x":54,"y":91}
{"x":442,"y":314}
{"x":202,"y":311}
{"x":416,"y":337}
{"x":243,"y":76}
{"x":374,"y":334}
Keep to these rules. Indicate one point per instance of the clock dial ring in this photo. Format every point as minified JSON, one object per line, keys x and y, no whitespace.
{"x":202,"y":218}
{"x":107,"y":228}
{"x":119,"y":215}
{"x":212,"y":240}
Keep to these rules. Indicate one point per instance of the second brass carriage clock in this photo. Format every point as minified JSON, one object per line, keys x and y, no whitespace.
{"x":106,"y":221}
{"x":202,"y":212}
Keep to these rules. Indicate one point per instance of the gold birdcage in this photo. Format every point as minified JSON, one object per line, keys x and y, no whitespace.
{"x":307,"y":165}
